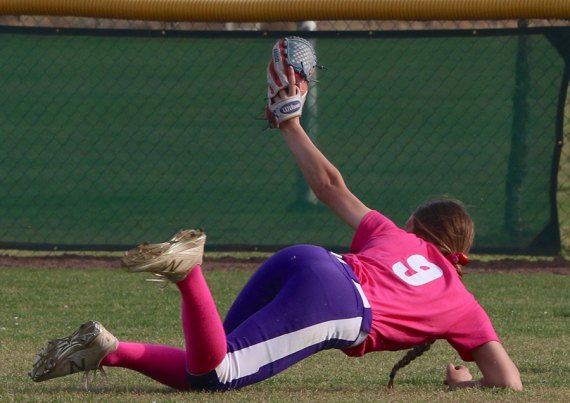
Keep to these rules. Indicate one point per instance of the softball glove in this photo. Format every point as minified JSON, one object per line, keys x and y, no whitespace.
{"x":298,"y":53}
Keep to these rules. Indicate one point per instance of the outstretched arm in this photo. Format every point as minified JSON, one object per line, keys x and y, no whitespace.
{"x":322,"y":176}
{"x":497,"y":368}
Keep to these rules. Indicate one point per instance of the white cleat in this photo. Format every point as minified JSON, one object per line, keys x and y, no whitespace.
{"x":171,"y":260}
{"x":82,"y":351}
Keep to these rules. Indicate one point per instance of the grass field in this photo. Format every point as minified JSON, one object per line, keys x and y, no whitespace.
{"x":530,"y":312}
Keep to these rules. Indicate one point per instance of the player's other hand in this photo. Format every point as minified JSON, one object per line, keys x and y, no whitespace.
{"x":457,"y":374}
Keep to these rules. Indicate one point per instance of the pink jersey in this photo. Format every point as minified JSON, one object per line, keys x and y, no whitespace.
{"x":414,"y":292}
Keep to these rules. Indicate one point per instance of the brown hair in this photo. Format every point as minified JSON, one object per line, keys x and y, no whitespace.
{"x":446,"y":224}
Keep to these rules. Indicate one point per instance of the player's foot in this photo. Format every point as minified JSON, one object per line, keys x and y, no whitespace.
{"x":82,"y":351}
{"x":171,"y":260}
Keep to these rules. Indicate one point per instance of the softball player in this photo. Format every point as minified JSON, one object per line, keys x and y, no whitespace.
{"x":397,"y":288}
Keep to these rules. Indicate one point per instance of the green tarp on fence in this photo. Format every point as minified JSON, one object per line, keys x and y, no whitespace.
{"x":111,"y":138}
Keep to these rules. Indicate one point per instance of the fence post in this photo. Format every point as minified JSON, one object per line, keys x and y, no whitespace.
{"x":516,"y":170}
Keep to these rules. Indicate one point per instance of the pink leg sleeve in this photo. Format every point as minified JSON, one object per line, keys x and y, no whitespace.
{"x":164,"y":364}
{"x":203,"y":330}
{"x":203,"y":334}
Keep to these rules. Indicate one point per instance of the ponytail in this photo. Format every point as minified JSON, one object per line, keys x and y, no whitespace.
{"x":409,"y":357}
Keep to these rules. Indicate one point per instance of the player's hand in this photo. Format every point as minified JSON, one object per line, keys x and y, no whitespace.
{"x":457,"y":374}
{"x":291,"y":90}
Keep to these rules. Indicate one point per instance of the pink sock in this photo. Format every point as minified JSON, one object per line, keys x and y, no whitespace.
{"x":203,"y":333}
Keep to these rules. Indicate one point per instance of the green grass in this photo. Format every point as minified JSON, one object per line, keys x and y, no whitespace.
{"x":530,"y":312}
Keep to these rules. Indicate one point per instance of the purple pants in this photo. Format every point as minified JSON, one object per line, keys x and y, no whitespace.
{"x":302,"y":300}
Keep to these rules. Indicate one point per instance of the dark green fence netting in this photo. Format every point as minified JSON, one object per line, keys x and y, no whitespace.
{"x":113,"y":138}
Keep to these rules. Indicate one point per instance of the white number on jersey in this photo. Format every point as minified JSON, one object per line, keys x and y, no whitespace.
{"x":420,"y":271}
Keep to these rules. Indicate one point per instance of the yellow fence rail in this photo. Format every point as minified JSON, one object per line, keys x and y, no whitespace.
{"x":292,"y":10}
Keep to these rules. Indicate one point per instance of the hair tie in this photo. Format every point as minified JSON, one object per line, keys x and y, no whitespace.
{"x":458,"y":258}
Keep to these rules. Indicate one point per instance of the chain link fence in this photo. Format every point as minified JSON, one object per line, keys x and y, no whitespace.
{"x":117,"y":132}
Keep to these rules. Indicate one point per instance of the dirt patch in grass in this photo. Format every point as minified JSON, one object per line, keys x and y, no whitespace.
{"x":556,"y":266}
{"x":507,"y":265}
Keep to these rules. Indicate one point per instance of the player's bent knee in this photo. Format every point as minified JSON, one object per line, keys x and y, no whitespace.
{"x":208,"y":382}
